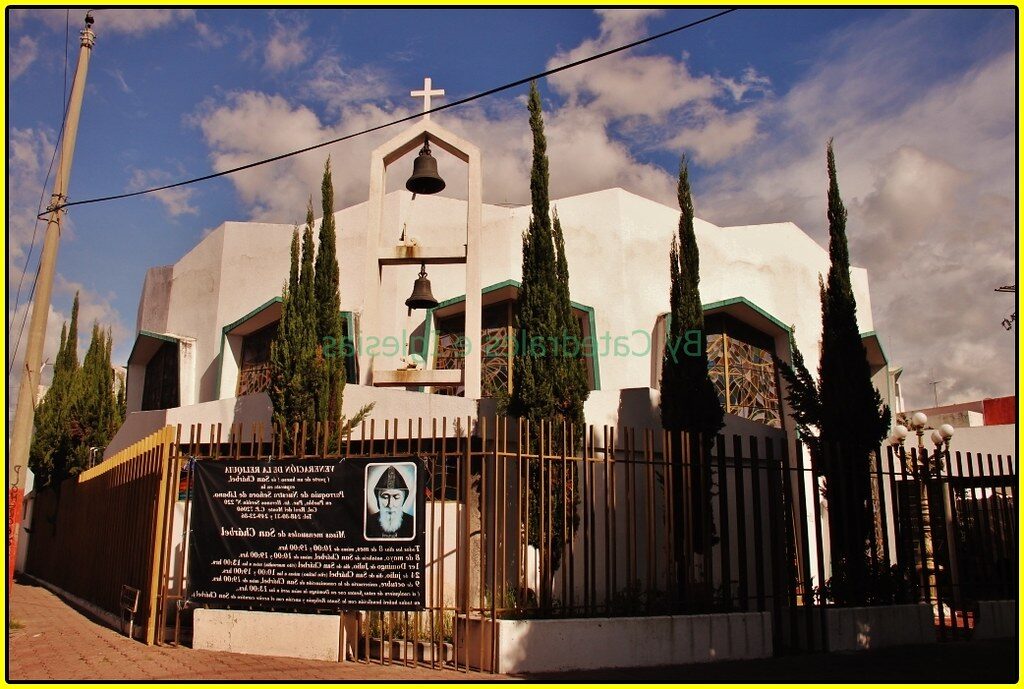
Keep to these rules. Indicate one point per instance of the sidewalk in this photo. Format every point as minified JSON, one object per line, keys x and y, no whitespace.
{"x":965,"y":662}
{"x":59,"y":643}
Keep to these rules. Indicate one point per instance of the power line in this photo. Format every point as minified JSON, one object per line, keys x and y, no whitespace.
{"x":463,"y":101}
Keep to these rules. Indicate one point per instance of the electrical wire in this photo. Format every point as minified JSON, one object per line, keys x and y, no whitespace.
{"x":39,"y":208}
{"x":463,"y":101}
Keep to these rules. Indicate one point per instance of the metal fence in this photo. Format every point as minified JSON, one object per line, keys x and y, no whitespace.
{"x":107,"y":528}
{"x":539,"y":521}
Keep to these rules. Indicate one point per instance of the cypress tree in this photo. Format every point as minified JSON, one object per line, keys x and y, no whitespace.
{"x":293,"y":349}
{"x":689,"y":401}
{"x":548,"y":384}
{"x":93,"y":410}
{"x":328,"y":305}
{"x":571,"y":387}
{"x":52,"y":449}
{"x":853,"y":418}
{"x":307,"y":375}
{"x":537,"y":315}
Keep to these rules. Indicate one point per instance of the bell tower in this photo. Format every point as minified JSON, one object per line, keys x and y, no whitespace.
{"x":378,"y":319}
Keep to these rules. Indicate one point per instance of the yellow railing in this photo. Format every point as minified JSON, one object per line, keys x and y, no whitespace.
{"x":107,"y":527}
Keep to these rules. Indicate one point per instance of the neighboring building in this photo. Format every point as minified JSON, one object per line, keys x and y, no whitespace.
{"x":987,"y":426}
{"x":204,"y":323}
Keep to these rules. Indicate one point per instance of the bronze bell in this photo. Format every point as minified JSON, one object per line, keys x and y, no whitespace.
{"x":425,"y":179}
{"x":422,"y":297}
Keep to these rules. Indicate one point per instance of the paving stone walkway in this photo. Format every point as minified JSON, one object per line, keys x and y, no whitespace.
{"x":57,"y":642}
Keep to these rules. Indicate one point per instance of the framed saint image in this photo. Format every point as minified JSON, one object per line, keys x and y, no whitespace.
{"x":390,"y":511}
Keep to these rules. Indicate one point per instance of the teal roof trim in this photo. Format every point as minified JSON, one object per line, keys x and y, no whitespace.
{"x":746,"y":302}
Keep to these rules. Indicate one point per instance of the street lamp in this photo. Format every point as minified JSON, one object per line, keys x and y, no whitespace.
{"x":922,"y":467}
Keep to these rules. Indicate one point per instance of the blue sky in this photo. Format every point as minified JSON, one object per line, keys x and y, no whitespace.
{"x":920,"y":102}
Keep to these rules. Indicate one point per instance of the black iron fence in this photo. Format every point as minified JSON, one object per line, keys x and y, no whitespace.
{"x":541,"y":521}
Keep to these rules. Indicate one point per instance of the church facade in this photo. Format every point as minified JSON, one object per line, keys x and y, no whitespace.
{"x":205,"y":323}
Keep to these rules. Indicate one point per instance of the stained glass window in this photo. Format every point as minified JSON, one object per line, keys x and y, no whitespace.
{"x":741,"y":364}
{"x":498,"y":337}
{"x":254,"y":372}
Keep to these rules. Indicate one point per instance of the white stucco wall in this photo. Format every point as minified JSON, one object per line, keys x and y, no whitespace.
{"x":617,"y":245}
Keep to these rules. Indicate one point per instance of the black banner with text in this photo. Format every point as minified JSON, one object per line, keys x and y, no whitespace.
{"x":308,"y":535}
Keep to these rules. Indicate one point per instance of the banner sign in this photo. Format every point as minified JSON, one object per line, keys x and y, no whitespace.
{"x":309,"y":535}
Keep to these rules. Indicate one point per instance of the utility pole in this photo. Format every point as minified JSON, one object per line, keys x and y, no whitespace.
{"x":935,"y":390}
{"x":21,"y":431}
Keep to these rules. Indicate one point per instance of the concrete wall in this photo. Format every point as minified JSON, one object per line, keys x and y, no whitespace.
{"x":616,"y":243}
{"x":994,"y":440}
{"x":586,"y":644}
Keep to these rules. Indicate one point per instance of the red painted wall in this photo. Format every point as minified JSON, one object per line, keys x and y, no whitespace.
{"x":1000,"y":410}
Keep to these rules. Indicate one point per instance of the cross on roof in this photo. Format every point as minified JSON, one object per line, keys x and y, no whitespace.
{"x":425,"y":94}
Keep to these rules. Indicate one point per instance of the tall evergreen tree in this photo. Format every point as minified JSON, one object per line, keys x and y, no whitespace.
{"x":293,"y":349}
{"x":571,"y":387}
{"x":689,"y":401}
{"x":537,"y":316}
{"x":307,"y":371}
{"x":93,"y":410}
{"x":853,"y":418}
{"x":549,"y":381}
{"x":52,"y":447}
{"x":328,"y":303}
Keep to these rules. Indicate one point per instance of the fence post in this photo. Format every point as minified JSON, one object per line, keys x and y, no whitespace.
{"x":163,"y":445}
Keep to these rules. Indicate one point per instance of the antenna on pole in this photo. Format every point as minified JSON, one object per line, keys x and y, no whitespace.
{"x":1008,"y":321}
{"x":935,"y":390}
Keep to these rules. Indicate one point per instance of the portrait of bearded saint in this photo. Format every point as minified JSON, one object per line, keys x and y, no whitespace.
{"x":390,"y":521}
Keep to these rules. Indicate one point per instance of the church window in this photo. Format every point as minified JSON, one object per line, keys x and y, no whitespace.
{"x":498,"y":339}
{"x":160,"y":388}
{"x":742,"y":366}
{"x":254,"y":371}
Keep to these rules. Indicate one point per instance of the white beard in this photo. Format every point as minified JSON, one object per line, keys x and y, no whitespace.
{"x":390,"y":519}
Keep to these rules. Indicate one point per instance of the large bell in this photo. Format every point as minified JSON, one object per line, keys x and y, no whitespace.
{"x":425,"y":179}
{"x":422,"y":297}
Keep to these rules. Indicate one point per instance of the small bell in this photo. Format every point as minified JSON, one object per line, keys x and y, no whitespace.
{"x":425,"y":179}
{"x":422,"y":297}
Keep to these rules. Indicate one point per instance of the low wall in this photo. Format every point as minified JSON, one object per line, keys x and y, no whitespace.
{"x":860,"y":629}
{"x":525,"y":646}
{"x":290,"y":635}
{"x":856,"y":629}
{"x":997,"y":619}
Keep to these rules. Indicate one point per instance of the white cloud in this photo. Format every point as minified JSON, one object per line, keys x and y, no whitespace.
{"x":28,"y":154}
{"x":131,"y":22}
{"x":21,"y":56}
{"x":656,"y":97}
{"x":586,"y":145}
{"x":927,"y":172}
{"x":287,"y":47}
{"x":338,"y":87}
{"x":176,"y":201}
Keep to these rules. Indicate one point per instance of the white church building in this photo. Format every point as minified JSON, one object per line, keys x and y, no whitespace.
{"x":204,"y":325}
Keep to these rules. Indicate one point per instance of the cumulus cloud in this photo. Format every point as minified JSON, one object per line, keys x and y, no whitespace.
{"x":131,"y":22}
{"x":926,"y":170}
{"x":657,"y":97}
{"x":923,"y":164}
{"x":587,"y":148}
{"x":21,"y":56}
{"x":28,"y":155}
{"x":176,"y":201}
{"x":287,"y":47}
